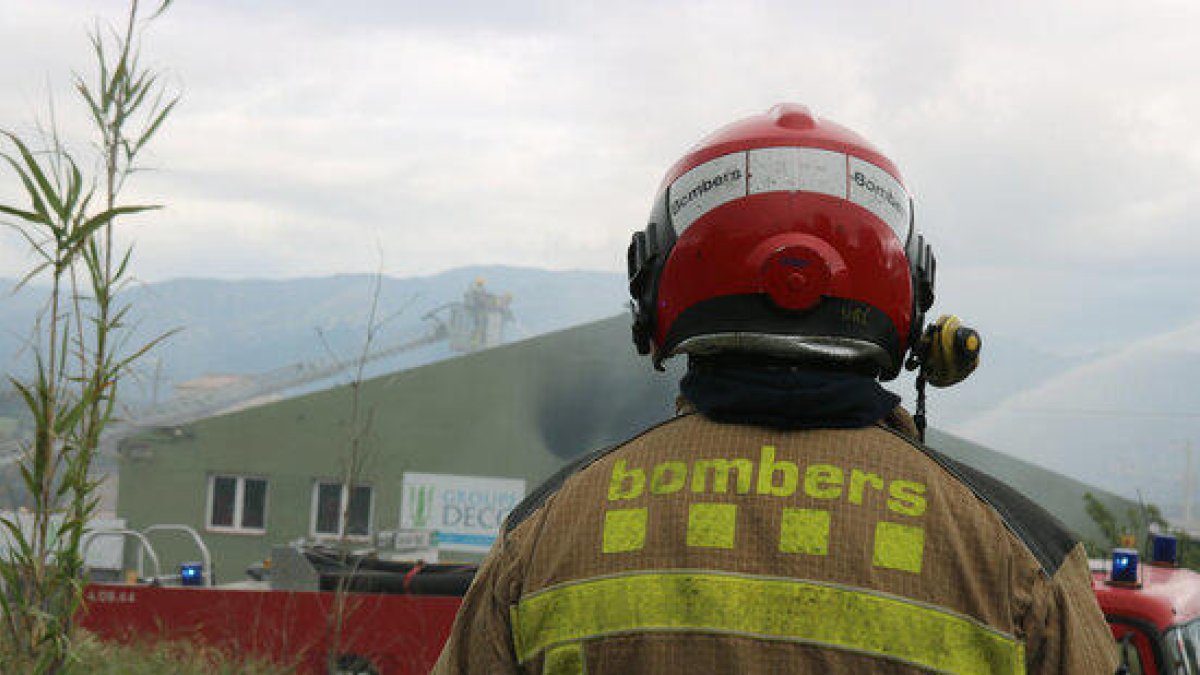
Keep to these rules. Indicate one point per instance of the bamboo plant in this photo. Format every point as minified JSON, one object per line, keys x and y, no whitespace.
{"x":79,"y":353}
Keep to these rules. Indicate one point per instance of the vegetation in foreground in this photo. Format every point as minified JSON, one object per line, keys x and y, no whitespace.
{"x":95,"y":657}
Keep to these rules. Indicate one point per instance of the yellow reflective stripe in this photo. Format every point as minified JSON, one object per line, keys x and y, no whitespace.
{"x":838,"y":617}
{"x":565,"y":660}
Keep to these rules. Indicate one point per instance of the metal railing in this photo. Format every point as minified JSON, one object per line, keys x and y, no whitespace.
{"x":123,"y":533}
{"x":146,"y":548}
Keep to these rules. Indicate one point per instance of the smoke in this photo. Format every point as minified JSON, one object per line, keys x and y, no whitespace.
{"x":614,"y":403}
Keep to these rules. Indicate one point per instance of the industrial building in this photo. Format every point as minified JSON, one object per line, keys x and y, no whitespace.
{"x":482,"y":428}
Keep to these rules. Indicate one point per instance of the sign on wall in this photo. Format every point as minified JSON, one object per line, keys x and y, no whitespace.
{"x":466,"y":512}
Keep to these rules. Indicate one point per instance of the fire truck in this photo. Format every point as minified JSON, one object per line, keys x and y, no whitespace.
{"x":1152,"y":607}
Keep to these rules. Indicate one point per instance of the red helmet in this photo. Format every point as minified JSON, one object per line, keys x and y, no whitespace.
{"x":787,"y":236}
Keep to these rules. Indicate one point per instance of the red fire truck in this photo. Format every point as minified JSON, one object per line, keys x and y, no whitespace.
{"x":1153,"y":609}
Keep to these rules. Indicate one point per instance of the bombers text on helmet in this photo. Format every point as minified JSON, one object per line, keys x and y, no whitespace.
{"x":787,"y":236}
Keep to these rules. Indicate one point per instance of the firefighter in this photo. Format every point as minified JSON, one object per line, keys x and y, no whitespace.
{"x":789,"y":519}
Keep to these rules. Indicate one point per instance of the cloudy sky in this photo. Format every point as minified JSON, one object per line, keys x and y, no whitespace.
{"x":1051,"y":146}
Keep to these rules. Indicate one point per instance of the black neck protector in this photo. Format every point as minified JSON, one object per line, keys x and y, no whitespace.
{"x":785,"y":397}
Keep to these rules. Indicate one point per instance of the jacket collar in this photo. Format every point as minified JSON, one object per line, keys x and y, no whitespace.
{"x":790,"y":398}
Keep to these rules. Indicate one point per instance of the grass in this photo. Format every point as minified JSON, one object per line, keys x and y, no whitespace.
{"x":92,"y":656}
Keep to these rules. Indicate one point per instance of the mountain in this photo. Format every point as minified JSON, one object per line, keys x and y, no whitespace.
{"x":1127,"y":421}
{"x":255,"y":326}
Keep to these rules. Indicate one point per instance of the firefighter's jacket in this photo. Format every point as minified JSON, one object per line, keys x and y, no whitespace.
{"x":700,"y":547}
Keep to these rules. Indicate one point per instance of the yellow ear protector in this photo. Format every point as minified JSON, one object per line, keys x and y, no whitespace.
{"x":946,"y":354}
{"x":949,"y":351}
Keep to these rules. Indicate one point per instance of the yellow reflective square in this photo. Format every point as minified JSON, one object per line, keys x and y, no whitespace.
{"x":712,"y":525}
{"x":804,"y":531}
{"x":899,"y":547}
{"x":624,"y":530}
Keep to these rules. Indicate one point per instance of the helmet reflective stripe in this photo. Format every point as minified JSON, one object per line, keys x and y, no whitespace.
{"x":782,"y":169}
{"x":706,"y":187}
{"x":875,"y":190}
{"x":803,"y":169}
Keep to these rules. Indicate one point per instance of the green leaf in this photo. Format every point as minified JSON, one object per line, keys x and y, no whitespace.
{"x":39,"y":175}
{"x":123,"y":265}
{"x":140,"y":88}
{"x":153,"y":127}
{"x":81,"y":235}
{"x":23,"y":215}
{"x":123,"y":363}
{"x":18,"y":535}
{"x":37,"y":269}
{"x":162,"y":7}
{"x":74,"y":187}
{"x":100,"y":219}
{"x":93,"y":260}
{"x":35,"y":197}
{"x":101,"y":60}
{"x":31,"y":482}
{"x":118,"y":77}
{"x":87,"y":200}
{"x":40,"y":247}
{"x":71,"y":416}
{"x":93,"y":107}
{"x":24,"y":391}
{"x":118,"y":318}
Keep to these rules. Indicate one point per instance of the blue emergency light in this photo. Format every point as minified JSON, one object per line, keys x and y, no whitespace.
{"x":1164,"y":550}
{"x":1124,"y":566}
{"x":191,"y":574}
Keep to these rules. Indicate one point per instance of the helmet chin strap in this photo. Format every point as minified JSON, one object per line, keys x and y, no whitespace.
{"x":916,"y":361}
{"x":919,"y":416}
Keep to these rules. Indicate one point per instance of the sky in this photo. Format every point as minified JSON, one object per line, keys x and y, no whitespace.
{"x":1049,"y":144}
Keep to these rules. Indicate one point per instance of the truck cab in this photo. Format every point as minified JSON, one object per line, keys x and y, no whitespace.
{"x":1153,"y":609}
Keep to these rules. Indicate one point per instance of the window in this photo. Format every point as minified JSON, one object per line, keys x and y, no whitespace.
{"x":335,"y":505}
{"x":237,"y":503}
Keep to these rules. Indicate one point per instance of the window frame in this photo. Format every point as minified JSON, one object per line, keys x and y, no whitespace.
{"x":343,"y":508}
{"x":239,"y":504}
{"x":1188,"y":636}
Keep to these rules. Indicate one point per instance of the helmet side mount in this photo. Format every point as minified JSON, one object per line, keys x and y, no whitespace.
{"x":922,"y":266}
{"x":648,"y":251}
